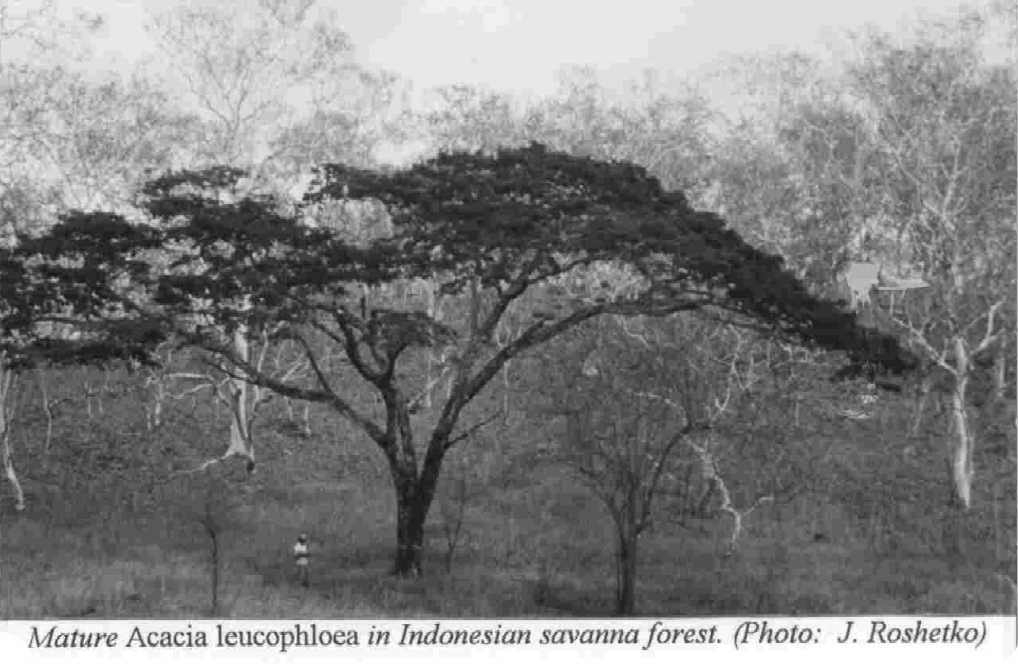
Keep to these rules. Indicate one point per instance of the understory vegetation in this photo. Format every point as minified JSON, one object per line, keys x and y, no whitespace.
{"x":111,"y":532}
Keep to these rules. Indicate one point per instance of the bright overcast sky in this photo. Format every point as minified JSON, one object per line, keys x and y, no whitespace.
{"x":520,"y":45}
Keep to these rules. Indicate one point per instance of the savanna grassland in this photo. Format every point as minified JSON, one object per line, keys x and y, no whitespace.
{"x":113,"y":529}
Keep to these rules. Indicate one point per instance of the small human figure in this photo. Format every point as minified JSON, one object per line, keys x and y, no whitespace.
{"x":302,"y":556}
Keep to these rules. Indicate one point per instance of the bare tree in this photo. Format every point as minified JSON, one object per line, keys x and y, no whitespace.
{"x":475,"y":469}
{"x":944,"y":124}
{"x":244,"y":70}
{"x":906,"y":164}
{"x":631,"y":403}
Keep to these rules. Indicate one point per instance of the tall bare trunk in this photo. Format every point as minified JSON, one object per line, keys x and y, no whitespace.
{"x":240,"y":432}
{"x":241,"y":441}
{"x":430,"y":359}
{"x":962,"y":470}
{"x":8,"y":385}
{"x":47,"y":408}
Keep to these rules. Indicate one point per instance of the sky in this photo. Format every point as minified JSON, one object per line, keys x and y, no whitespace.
{"x":522,"y":45}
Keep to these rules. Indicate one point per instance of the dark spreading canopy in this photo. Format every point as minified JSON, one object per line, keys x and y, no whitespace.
{"x":506,"y":222}
{"x":527,"y":214}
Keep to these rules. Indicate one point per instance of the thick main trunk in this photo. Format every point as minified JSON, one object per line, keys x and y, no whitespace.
{"x":414,"y":495}
{"x":410,"y":516}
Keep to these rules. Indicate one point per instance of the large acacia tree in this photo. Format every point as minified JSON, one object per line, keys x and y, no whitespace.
{"x":499,"y":233}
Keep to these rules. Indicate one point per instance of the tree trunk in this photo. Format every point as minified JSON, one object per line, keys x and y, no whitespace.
{"x":922,"y":395}
{"x":625,"y":593}
{"x":1000,"y":371}
{"x":452,"y":523}
{"x":953,"y":533}
{"x":241,"y":441}
{"x":155,"y":412}
{"x":240,"y":432}
{"x":8,"y":383}
{"x":961,"y":453}
{"x":430,"y":362}
{"x":410,"y":515}
{"x":47,"y":408}
{"x":414,"y":495}
{"x":210,"y":530}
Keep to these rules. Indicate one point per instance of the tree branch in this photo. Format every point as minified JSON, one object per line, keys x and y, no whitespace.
{"x":471,"y":430}
{"x":252,"y":375}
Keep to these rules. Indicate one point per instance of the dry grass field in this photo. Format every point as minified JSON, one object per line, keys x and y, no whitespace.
{"x":112,"y":532}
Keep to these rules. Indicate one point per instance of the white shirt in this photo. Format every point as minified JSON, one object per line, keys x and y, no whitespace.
{"x":301,"y":553}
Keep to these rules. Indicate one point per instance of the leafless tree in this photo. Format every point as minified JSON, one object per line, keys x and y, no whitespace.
{"x":631,"y":403}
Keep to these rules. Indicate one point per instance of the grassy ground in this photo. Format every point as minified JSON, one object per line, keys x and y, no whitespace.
{"x":872,"y":539}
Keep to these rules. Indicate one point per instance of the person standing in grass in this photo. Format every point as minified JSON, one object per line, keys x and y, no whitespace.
{"x":302,"y":556}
